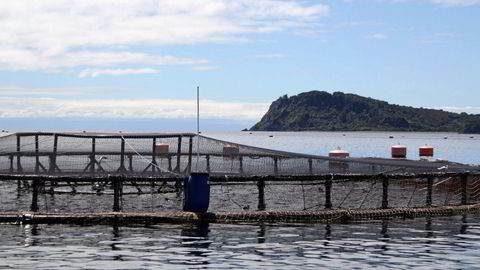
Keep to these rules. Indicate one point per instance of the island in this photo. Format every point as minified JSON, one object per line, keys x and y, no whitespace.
{"x":322,"y":111}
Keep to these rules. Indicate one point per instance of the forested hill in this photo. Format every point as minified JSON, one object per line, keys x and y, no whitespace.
{"x":318,"y":110}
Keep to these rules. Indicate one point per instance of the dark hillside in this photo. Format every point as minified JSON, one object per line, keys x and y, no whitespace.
{"x":318,"y":110}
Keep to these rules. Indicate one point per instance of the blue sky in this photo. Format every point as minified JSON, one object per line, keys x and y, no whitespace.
{"x":139,"y":61}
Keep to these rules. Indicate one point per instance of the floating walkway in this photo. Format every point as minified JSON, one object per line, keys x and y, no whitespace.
{"x":337,"y":215}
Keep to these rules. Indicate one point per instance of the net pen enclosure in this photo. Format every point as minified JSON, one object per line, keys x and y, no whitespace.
{"x":140,"y":177}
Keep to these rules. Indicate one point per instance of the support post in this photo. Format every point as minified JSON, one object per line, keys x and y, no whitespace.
{"x":275,"y":164}
{"x":179,"y":153}
{"x":53,"y":156}
{"x":154,"y":158}
{"x":190,"y":149}
{"x":35,"y":187}
{"x":117,"y":192}
{"x":328,"y":193}
{"x":240,"y":159}
{"x":11,"y":163}
{"x":122,"y":156}
{"x":261,"y":195}
{"x":92,"y":158}
{"x":130,"y":163}
{"x":207,"y":157}
{"x":19,"y":163}
{"x":464,"y":188}
{"x":310,"y":166}
{"x":385,"y":183}
{"x":429,"y":191}
{"x":37,"y":158}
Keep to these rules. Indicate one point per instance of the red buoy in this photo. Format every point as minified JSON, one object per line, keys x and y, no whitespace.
{"x":230,"y":150}
{"x":338,"y":166}
{"x":339,"y":153}
{"x":425,"y":151}
{"x":161,"y":148}
{"x":399,"y":151}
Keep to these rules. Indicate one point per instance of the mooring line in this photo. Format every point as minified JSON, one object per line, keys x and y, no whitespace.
{"x":146,"y":160}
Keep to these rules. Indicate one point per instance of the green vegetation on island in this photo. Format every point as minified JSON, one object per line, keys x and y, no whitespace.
{"x":322,"y":111}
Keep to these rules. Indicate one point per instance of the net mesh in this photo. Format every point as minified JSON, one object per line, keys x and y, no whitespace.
{"x":180,"y":154}
{"x":153,"y":167}
{"x":242,"y":196}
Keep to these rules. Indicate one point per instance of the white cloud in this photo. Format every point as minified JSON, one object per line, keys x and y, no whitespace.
{"x":452,"y":3}
{"x":19,"y":91}
{"x":122,"y":108}
{"x":378,"y":36}
{"x":25,"y":59}
{"x":54,"y":35}
{"x":444,"y":3}
{"x":204,"y":68}
{"x":116,"y":72}
{"x":270,"y":56}
{"x":438,"y":37}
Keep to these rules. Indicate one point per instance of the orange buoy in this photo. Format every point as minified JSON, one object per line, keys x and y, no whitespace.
{"x":161,"y":148}
{"x":425,"y":151}
{"x":399,"y":151}
{"x":339,"y":153}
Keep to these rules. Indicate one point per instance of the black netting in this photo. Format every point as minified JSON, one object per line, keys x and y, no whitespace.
{"x":81,"y":173}
{"x":180,"y":154}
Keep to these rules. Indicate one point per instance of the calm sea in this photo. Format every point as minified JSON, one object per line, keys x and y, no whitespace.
{"x":426,"y":243}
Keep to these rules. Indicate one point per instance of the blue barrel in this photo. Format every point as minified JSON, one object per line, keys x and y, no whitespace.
{"x":196,"y":193}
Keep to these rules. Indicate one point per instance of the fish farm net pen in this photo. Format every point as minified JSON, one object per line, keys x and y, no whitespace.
{"x":139,"y":177}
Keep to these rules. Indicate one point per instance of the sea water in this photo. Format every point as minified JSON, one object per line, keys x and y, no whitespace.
{"x":426,"y":243}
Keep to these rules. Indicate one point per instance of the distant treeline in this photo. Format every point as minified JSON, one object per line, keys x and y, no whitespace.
{"x":322,"y":111}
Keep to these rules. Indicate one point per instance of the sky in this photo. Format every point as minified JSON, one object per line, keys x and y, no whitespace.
{"x":135,"y":64}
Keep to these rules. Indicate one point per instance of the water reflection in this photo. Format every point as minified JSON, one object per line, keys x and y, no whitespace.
{"x":195,"y":237}
{"x":328,"y":232}
{"x":261,"y":233}
{"x":451,"y":242}
{"x":116,"y":236}
{"x":464,"y":226}
{"x":428,"y":227}
{"x":31,"y":231}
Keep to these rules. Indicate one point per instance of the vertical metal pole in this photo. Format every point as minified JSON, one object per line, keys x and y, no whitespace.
{"x":310,"y":166}
{"x":190,"y":151}
{"x":19,"y":164}
{"x":275,"y":163}
{"x":130,"y":163}
{"x":92,"y":157}
{"x":34,"y":205}
{"x":328,"y":193}
{"x":198,"y":128}
{"x":117,"y":192}
{"x":53,"y":156}
{"x":261,"y":195}
{"x":37,"y":158}
{"x":154,"y":153}
{"x":179,"y":153}
{"x":240,"y":159}
{"x":464,"y":188}
{"x":169,"y":162}
{"x":385,"y":191}
{"x":207,"y":157}
{"x":429,"y":190}
{"x":11,"y":163}
{"x":122,"y":156}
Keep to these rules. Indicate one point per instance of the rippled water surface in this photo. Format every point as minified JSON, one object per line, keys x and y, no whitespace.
{"x":438,"y":243}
